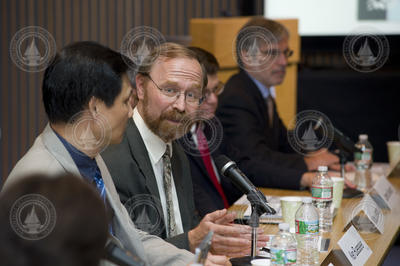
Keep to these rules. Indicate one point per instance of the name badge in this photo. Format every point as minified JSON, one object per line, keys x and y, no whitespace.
{"x":387,"y":192}
{"x":354,"y":247}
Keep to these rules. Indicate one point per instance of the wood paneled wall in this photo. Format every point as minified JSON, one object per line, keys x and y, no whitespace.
{"x":22,"y":116}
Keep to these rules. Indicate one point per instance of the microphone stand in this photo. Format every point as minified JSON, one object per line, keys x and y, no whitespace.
{"x":343,"y":160}
{"x":257,"y":210}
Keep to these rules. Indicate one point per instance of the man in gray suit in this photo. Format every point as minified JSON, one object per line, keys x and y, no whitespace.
{"x":86,"y":95}
{"x":149,"y":168}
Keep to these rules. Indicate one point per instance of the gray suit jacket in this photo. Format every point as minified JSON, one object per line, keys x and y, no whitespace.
{"x":49,"y":156}
{"x":133,"y":175}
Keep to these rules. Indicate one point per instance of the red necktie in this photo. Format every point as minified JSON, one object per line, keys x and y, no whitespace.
{"x":205,"y":155}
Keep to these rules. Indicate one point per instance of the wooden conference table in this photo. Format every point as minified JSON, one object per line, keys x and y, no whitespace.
{"x":380,"y":244}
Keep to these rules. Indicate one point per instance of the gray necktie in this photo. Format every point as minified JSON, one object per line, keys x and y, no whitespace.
{"x":167,"y":176}
{"x":270,"y":106}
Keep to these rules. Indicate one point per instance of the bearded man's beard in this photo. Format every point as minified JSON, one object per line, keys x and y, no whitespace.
{"x":161,"y":127}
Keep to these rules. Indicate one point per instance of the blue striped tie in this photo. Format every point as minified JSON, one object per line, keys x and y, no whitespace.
{"x":100,"y":184}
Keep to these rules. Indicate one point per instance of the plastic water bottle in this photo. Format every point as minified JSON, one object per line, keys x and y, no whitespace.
{"x":363,"y":161}
{"x":307,"y":232}
{"x":322,"y":193}
{"x":283,"y":247}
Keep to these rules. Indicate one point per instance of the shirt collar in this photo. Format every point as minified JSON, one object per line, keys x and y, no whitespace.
{"x":86,"y":165}
{"x":155,"y":146}
{"x":263,"y":89}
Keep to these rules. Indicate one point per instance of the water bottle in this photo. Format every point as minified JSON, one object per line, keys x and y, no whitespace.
{"x":283,"y":247}
{"x":322,"y":193}
{"x":363,"y":162}
{"x":307,"y":230}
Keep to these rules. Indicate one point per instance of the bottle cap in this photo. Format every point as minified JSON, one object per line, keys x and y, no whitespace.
{"x":363,"y":137}
{"x":284,"y":226}
{"x":307,"y":200}
{"x":322,"y":168}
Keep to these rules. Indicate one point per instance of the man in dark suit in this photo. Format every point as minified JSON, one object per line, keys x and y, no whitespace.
{"x":248,"y":112}
{"x":150,"y":169}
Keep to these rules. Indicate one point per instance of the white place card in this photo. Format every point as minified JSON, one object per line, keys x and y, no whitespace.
{"x":387,"y":192}
{"x":371,"y":210}
{"x":354,"y":247}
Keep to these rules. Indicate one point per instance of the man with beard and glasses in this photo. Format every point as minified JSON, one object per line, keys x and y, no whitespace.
{"x":248,"y":111}
{"x":151,"y":170}
{"x":86,"y":95}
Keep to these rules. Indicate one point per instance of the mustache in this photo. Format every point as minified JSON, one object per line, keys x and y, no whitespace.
{"x":174,"y":115}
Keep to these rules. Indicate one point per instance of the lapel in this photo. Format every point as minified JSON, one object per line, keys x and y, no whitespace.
{"x":121,"y":219}
{"x":255,"y":93}
{"x":179,"y":174}
{"x":54,"y":145}
{"x":141,"y":156}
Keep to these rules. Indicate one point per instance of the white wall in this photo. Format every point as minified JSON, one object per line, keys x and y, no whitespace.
{"x":331,"y":17}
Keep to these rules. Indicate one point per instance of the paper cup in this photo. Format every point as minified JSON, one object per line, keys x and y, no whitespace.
{"x":338,"y":184}
{"x":260,"y":262}
{"x":289,"y":206}
{"x":393,"y":152}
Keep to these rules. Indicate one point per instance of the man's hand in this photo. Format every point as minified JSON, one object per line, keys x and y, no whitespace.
{"x":215,"y":260}
{"x":232,"y":240}
{"x":320,"y":157}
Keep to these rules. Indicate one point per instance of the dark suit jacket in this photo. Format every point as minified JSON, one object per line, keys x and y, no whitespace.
{"x":244,"y":115}
{"x":133,"y":175}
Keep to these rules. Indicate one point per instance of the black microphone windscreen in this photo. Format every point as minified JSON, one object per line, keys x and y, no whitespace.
{"x":221,"y":161}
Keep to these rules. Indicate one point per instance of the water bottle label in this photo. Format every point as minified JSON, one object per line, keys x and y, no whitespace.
{"x":291,"y":256}
{"x":281,"y":256}
{"x":362,"y":156}
{"x":324,"y":193}
{"x":307,"y":227}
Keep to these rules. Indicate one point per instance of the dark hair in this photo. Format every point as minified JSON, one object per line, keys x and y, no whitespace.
{"x":81,"y":223}
{"x":207,"y":59}
{"x":81,"y":70}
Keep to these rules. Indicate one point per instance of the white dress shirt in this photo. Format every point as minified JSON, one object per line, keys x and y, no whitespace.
{"x":156,"y":148}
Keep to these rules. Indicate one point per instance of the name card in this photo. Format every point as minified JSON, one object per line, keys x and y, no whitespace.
{"x":387,"y":192}
{"x":371,"y":210}
{"x":354,"y":247}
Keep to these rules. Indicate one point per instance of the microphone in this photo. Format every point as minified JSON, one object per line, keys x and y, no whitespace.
{"x":342,"y":141}
{"x":239,"y":179}
{"x":116,"y":254}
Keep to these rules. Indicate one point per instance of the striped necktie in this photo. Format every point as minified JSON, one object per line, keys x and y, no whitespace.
{"x":270,"y":105}
{"x":167,"y":178}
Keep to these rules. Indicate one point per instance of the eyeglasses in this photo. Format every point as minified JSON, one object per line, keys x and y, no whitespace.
{"x":217,"y":90}
{"x":276,"y":52}
{"x":191,"y":97}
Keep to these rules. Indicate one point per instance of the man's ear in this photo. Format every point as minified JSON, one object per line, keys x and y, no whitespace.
{"x":93,"y":106}
{"x":140,"y":82}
